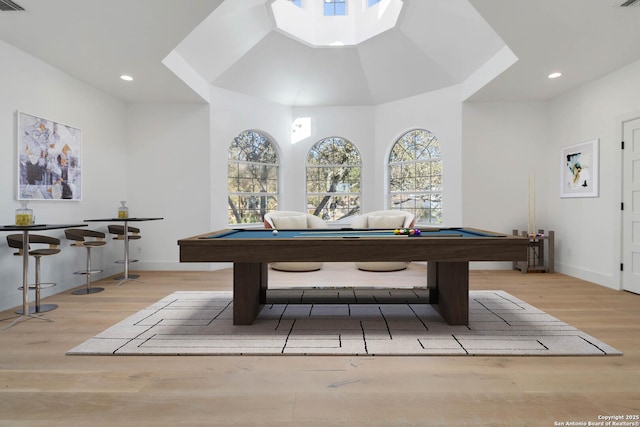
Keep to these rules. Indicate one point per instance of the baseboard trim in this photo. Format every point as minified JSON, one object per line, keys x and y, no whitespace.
{"x":608,"y":281}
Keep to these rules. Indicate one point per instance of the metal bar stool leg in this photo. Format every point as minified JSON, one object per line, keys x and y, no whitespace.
{"x":124,"y":233}
{"x":38,"y":307}
{"x":88,"y":289}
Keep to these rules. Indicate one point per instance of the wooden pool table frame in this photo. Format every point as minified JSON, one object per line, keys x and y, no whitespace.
{"x":447,"y":257}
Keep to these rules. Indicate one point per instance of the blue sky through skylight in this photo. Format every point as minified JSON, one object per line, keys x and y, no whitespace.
{"x":335,"y":7}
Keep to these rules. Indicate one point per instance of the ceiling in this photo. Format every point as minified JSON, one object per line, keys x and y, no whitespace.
{"x":234,"y":45}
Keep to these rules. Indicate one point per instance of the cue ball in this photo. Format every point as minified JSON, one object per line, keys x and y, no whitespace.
{"x":275,"y":232}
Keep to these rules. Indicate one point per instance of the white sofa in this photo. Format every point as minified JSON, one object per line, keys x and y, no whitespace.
{"x":291,"y":220}
{"x":387,"y":219}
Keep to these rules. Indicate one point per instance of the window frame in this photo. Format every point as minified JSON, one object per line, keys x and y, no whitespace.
{"x":270,"y":197}
{"x":432,"y":195}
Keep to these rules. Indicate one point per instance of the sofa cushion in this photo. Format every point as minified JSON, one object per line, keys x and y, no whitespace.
{"x":386,"y":221}
{"x":293,"y":222}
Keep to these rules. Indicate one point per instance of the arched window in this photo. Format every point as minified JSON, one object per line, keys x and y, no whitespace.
{"x":252,"y":178}
{"x":415,"y":176}
{"x":334,"y":171}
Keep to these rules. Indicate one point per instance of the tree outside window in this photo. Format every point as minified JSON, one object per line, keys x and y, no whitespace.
{"x":334,"y":170}
{"x":253,"y":174}
{"x":415,"y":176}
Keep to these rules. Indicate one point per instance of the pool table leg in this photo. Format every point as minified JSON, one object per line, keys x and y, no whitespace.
{"x":448,"y":284}
{"x":249,"y":290}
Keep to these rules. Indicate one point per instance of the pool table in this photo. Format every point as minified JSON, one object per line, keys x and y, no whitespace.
{"x":448,"y":252}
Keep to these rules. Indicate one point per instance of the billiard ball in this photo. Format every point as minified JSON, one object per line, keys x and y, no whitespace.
{"x":275,"y":232}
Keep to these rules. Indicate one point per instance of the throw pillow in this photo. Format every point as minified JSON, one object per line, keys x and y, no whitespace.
{"x":290,"y":222}
{"x":386,"y":221}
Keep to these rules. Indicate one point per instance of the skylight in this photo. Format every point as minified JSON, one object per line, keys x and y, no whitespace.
{"x":335,"y":7}
{"x":335,"y":22}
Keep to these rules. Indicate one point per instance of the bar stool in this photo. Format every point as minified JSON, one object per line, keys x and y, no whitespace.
{"x":133,"y":233}
{"x":15,"y":241}
{"x":87,"y":239}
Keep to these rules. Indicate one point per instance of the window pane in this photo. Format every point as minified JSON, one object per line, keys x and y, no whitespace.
{"x":333,"y":179}
{"x":249,"y":209}
{"x":430,"y":209}
{"x":334,"y":207}
{"x":232,"y":179}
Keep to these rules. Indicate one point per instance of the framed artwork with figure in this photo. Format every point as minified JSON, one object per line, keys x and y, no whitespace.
{"x":579,"y":170}
{"x":49,"y":159}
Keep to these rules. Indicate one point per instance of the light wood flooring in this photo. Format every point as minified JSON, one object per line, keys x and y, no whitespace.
{"x":41,"y":386}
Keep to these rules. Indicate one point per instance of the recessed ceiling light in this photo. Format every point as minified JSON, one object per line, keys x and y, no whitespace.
{"x":554,"y":75}
{"x":126,"y":78}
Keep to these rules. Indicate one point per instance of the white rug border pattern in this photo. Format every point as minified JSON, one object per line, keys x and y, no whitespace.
{"x":200,"y":323}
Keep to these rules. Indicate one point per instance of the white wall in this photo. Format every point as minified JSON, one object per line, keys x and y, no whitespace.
{"x":504,"y":151}
{"x":504,"y":141}
{"x":372,"y":129}
{"x":504,"y":144}
{"x":231,"y":114}
{"x":167,"y":159}
{"x":33,"y":87}
{"x":352,"y":123}
{"x":439,"y":112}
{"x":589,"y":242}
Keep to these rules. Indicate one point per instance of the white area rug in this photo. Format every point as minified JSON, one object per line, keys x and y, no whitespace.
{"x":200,"y":323}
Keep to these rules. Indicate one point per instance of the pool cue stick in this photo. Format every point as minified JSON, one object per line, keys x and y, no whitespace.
{"x":529,"y":206}
{"x":535,"y":230}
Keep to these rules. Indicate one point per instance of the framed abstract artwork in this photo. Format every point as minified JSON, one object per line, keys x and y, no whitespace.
{"x":49,"y":159}
{"x":579,"y":170}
